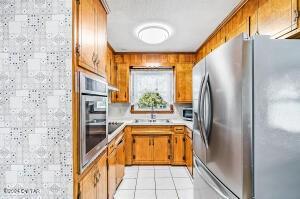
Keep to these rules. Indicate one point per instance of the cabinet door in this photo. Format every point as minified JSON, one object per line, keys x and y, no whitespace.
{"x":161,"y":149}
{"x":142,"y":149}
{"x":189,"y":154}
{"x":277,"y":17}
{"x":183,"y":78}
{"x":112,"y":174}
{"x":179,"y":149}
{"x":122,"y":96}
{"x":120,"y":155}
{"x":101,"y":37}
{"x":88,"y":185}
{"x":87,"y":34}
{"x":102,"y":178}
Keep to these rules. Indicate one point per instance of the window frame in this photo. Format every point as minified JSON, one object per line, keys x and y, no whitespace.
{"x":156,"y":111}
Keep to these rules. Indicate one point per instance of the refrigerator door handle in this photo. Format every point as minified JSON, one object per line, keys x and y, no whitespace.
{"x":199,"y":100}
{"x":205,"y":88}
{"x":211,"y":184}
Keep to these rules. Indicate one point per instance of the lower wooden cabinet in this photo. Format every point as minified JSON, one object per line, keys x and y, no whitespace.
{"x":120,"y":160}
{"x":116,"y":164}
{"x":112,"y":176}
{"x":189,"y":154}
{"x":179,"y":149}
{"x":151,"y":149}
{"x":94,"y":183}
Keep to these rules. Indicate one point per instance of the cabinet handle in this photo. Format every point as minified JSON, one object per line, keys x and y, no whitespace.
{"x":153,"y":141}
{"x":176,"y":140}
{"x":149,"y":142}
{"x":94,"y":57}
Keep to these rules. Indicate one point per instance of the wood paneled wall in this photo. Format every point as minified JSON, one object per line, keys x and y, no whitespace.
{"x":163,"y":59}
{"x":277,"y":18}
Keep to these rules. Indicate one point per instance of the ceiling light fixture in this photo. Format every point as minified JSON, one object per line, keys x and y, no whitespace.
{"x":153,"y":33}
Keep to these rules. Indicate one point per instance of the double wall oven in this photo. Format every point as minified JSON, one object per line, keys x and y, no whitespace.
{"x":93,"y":117}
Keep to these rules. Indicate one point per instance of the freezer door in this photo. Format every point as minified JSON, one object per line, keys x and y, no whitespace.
{"x":198,"y":140}
{"x":277,"y":118}
{"x":223,"y":113}
{"x":206,"y":186}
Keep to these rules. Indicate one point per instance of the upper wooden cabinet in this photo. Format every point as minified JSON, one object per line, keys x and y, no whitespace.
{"x":111,"y":69}
{"x":86,"y":47}
{"x":122,"y":83}
{"x":277,"y":17}
{"x":92,"y":36}
{"x":183,"y":87}
{"x":101,"y":35}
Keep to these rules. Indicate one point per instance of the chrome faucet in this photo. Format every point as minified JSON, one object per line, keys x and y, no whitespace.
{"x":153,"y":116}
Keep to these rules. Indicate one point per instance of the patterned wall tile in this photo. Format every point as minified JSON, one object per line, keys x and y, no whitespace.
{"x":35,"y":99}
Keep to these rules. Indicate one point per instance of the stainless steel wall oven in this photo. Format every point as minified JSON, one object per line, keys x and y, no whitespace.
{"x":93,"y":117}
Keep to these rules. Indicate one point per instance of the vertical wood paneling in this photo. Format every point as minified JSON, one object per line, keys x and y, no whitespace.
{"x":266,"y":17}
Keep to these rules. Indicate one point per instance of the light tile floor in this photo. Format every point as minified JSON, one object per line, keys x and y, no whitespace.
{"x":155,"y":182}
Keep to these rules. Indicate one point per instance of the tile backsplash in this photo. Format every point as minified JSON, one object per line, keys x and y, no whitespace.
{"x":35,"y":99}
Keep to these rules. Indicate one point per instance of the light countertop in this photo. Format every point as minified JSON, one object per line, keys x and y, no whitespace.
{"x":173,"y":122}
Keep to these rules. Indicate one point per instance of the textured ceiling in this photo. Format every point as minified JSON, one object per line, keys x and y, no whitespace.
{"x":191,"y":20}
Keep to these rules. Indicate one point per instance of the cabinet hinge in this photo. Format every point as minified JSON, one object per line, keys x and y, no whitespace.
{"x":296,"y":15}
{"x":77,"y":49}
{"x":184,"y":139}
{"x":77,"y":2}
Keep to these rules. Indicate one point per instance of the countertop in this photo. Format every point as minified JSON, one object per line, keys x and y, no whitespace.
{"x":173,"y":122}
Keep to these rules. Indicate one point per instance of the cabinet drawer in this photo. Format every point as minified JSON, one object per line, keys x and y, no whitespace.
{"x":178,"y":129}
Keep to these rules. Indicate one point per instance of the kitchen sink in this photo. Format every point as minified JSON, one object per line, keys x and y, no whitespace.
{"x":152,"y":121}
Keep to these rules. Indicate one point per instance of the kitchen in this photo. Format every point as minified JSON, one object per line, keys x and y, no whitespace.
{"x":155,"y":99}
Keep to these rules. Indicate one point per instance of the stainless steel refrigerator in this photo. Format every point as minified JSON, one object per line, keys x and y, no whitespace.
{"x":246,"y":106}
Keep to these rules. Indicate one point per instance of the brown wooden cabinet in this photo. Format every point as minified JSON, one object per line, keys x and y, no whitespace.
{"x":92,"y":38}
{"x":122,"y":83}
{"x":87,"y":34}
{"x":277,"y":17}
{"x":111,"y":67}
{"x":120,"y":160}
{"x":189,"y":150}
{"x":142,"y":149}
{"x":116,"y":163}
{"x":179,"y":149}
{"x":101,"y":36}
{"x":151,"y":149}
{"x":94,"y":183}
{"x":183,"y":88}
{"x":112,"y":176}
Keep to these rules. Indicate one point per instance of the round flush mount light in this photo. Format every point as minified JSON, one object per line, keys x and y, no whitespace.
{"x":153,"y":33}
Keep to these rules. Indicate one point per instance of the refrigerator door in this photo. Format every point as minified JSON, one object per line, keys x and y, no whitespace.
{"x":224,"y":69}
{"x":206,"y":185}
{"x":198,"y":140}
{"x":276,"y":118}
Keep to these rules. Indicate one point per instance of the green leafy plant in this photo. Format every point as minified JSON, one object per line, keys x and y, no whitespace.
{"x":152,"y":99}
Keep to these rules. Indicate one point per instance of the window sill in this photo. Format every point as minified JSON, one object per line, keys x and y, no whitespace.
{"x":133,"y":111}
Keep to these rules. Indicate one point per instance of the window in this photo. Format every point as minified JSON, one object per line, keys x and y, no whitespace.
{"x":152,"y":89}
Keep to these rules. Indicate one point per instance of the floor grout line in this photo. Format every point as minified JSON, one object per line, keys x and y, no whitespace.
{"x":138,"y":170}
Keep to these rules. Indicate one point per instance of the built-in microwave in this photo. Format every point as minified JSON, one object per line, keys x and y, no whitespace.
{"x":187,"y":114}
{"x":93,"y":117}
